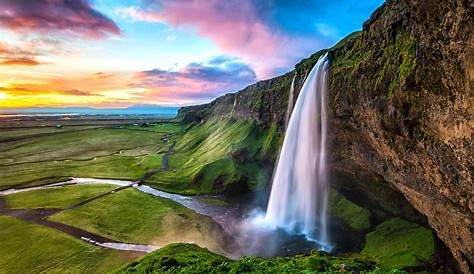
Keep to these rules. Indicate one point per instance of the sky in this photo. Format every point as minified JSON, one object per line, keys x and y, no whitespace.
{"x":109,"y":54}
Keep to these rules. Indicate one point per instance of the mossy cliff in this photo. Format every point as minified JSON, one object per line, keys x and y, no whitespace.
{"x":401,"y":98}
{"x":401,"y":116}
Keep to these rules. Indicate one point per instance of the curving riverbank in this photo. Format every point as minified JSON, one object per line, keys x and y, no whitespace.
{"x":39,"y":216}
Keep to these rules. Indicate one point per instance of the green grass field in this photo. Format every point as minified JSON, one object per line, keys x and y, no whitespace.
{"x":135,"y":217}
{"x":77,"y":145}
{"x":29,"y":248}
{"x":12,"y":133}
{"x":126,"y":152}
{"x":61,"y":197}
{"x":159,"y":127}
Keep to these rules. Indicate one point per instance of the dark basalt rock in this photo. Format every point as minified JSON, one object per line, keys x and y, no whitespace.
{"x":400,"y":95}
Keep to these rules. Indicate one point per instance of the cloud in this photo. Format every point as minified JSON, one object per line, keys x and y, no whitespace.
{"x":203,"y":80}
{"x":20,"y":62}
{"x":15,"y":56}
{"x":76,"y":92}
{"x":22,"y":90}
{"x":139,"y":15}
{"x":45,"y":16}
{"x":271,"y":35}
{"x":3,"y":48}
{"x":235,"y":26}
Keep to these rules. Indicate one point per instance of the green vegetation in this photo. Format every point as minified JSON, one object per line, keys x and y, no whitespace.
{"x":398,"y":243}
{"x":12,"y":133}
{"x":217,"y":156}
{"x":28,"y":248}
{"x":110,"y":167}
{"x":349,"y":38}
{"x":56,"y":197}
{"x":399,"y":60}
{"x":159,"y":127}
{"x":305,"y":65}
{"x":132,"y":216}
{"x":188,"y":258}
{"x":214,"y":201}
{"x":77,"y":145}
{"x":396,"y":63}
{"x":358,"y":218}
{"x":271,"y":142}
{"x":116,"y":153}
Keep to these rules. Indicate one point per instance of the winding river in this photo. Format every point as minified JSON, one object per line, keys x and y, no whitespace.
{"x":218,"y":213}
{"x":248,"y":238}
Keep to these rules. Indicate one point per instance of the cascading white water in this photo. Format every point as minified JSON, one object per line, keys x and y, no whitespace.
{"x":299,"y":195}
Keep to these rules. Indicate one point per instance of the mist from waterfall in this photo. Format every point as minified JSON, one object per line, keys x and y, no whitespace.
{"x":299,"y":196}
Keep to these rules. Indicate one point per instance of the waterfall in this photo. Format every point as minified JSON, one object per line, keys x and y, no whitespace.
{"x":299,"y":195}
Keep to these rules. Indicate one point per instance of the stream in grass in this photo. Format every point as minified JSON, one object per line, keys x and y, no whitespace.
{"x":246,"y":238}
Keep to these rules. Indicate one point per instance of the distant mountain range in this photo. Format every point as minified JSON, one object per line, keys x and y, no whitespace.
{"x":132,"y":110}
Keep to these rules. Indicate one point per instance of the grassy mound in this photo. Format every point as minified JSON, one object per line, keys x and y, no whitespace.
{"x":397,"y":243}
{"x":189,"y":258}
{"x":135,"y":217}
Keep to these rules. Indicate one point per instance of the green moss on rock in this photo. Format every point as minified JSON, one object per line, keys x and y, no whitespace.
{"x":356,"y":217}
{"x":189,"y":258}
{"x":397,"y":243}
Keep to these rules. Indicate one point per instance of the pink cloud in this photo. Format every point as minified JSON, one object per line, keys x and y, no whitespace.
{"x":45,"y":16}
{"x":233,"y":25}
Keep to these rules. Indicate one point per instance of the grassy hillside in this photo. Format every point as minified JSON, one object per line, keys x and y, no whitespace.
{"x":220,"y":155}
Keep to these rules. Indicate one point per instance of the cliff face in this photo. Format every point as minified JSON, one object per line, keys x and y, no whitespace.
{"x":401,"y":114}
{"x":402,"y":107}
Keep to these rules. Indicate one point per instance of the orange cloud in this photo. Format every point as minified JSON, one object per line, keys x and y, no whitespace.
{"x":20,"y":62}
